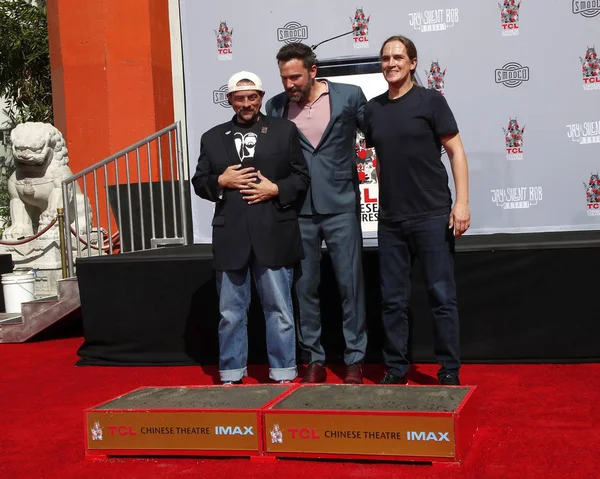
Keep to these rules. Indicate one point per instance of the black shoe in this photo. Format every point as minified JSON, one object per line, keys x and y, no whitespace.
{"x":389,"y":378}
{"x":449,"y":380}
{"x":229,"y":383}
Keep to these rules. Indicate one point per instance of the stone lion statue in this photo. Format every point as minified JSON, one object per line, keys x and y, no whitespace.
{"x":35,"y":188}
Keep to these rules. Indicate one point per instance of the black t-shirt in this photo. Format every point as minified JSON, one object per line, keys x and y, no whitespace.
{"x":406,"y":132}
{"x":245,"y":137}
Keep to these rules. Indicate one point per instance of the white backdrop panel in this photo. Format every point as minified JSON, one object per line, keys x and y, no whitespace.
{"x":551,"y":88}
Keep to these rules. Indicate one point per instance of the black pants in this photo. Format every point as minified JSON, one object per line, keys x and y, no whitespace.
{"x":431,"y":242}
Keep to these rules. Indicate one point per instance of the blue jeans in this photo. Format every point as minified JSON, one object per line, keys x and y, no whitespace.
{"x":431,"y":242}
{"x":274,"y":287}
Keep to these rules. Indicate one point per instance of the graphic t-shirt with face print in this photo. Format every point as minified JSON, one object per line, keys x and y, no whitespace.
{"x":245,"y":138}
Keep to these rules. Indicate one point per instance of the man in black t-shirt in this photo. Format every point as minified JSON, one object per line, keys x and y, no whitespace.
{"x":408,"y":126}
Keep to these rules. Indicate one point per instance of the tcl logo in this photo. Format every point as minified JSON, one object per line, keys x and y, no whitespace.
{"x":122,"y":431}
{"x":361,"y":40}
{"x":514,"y":150}
{"x":592,"y":80}
{"x":427,"y":436}
{"x":510,"y":26}
{"x":303,"y":433}
{"x":593,"y":206}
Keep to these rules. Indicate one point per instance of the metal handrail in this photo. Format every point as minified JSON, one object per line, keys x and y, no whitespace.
{"x":180,"y":227}
{"x":121,"y":153}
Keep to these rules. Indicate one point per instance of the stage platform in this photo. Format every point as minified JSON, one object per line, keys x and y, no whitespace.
{"x":372,"y":422}
{"x":517,"y":303}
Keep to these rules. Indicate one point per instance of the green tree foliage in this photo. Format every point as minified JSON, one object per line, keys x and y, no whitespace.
{"x":25,"y":61}
{"x":24,"y":75}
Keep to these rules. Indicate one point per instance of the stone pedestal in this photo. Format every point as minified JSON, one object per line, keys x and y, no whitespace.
{"x":43,"y":256}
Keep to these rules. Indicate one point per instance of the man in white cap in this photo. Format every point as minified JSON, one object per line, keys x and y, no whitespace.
{"x":253,"y":168}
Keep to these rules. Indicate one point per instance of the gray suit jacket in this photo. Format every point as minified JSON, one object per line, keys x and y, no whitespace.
{"x":332,"y":164}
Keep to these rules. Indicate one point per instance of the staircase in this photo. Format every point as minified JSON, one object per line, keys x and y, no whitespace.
{"x":158,"y":205}
{"x":40,"y":314}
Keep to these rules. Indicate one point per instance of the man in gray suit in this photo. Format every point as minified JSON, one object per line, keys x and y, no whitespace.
{"x":327,"y":115}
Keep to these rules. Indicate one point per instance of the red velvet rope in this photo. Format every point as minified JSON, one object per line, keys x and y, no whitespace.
{"x":30,"y":238}
{"x":105,"y":247}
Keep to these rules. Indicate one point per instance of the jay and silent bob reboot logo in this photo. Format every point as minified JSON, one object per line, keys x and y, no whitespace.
{"x":517,"y":198}
{"x":586,"y":133}
{"x":438,"y":20}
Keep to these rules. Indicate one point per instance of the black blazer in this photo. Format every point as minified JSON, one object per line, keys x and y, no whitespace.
{"x":268,"y":228}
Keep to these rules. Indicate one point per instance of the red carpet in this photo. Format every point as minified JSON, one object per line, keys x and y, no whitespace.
{"x":536,"y":421}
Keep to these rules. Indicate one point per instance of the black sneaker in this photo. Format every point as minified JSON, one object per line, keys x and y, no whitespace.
{"x":449,"y":380}
{"x":389,"y":378}
{"x":230,"y":383}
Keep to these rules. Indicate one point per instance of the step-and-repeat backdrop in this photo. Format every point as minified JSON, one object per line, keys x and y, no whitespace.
{"x":522,"y":77}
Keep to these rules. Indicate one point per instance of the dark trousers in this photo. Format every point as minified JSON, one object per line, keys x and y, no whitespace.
{"x":343,"y":238}
{"x":431,"y":242}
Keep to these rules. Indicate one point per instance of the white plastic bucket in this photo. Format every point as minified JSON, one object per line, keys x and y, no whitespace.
{"x":18,"y":288}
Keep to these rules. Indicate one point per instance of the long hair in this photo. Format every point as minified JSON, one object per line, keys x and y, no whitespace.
{"x":411,"y":51}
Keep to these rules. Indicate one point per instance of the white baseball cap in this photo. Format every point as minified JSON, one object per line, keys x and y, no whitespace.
{"x":232,"y":84}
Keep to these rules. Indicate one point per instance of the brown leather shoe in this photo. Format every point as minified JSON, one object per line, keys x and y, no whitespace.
{"x":354,"y":374}
{"x":315,"y":374}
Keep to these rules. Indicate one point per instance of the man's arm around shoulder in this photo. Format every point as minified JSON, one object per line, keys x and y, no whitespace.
{"x":269,"y":107}
{"x":274,"y":104}
{"x":356,"y":98}
{"x":361,"y":102}
{"x":296,"y":183}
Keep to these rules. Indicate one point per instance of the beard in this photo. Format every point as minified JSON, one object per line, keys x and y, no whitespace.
{"x":296,"y":95}
{"x":247,"y":116}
